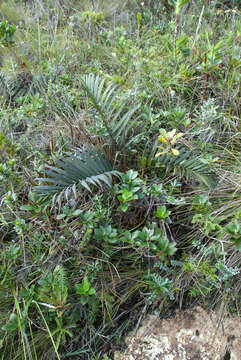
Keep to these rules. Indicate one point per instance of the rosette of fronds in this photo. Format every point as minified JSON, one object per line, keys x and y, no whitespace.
{"x":82,"y":169}
{"x":115,"y":114}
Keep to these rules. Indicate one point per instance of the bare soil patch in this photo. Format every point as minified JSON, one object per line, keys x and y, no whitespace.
{"x":191,"y":335}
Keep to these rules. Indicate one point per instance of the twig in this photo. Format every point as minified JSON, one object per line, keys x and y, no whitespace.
{"x":175,"y":38}
{"x":140,"y":319}
{"x":197,"y":30}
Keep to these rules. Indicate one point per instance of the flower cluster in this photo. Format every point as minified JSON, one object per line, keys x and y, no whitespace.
{"x":168,"y":140}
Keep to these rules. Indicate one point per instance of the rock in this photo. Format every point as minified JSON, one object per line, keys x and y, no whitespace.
{"x":193,"y":334}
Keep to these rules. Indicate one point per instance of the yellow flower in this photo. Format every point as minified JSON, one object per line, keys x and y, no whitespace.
{"x":175,"y":152}
{"x":162,"y":139}
{"x":168,"y":139}
{"x":160,"y":153}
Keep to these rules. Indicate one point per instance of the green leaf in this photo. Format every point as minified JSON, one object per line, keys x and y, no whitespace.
{"x":79,"y":289}
{"x":179,"y":5}
{"x":233,"y":228}
{"x":61,"y":216}
{"x":28,"y":207}
{"x":84,"y":300}
{"x":238,"y":244}
{"x":85,"y":285}
{"x":77,"y":212}
{"x":13,"y":323}
{"x":126,"y":196}
{"x":91,"y":291}
{"x":187,"y":166}
{"x":123,"y":207}
{"x":162,"y":212}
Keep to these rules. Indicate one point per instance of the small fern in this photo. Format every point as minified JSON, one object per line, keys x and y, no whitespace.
{"x":53,"y":289}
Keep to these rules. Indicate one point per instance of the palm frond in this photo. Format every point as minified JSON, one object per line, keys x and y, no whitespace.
{"x":188,"y":166}
{"x":114,"y":117}
{"x":84,"y":168}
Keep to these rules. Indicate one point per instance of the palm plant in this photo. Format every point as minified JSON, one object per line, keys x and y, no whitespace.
{"x":91,"y":165}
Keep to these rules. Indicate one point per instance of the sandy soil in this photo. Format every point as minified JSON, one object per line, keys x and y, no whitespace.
{"x":191,"y":335}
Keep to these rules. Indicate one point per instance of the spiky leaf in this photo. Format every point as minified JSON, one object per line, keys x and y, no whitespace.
{"x":185,"y":165}
{"x":115,"y":118}
{"x":86,"y":168}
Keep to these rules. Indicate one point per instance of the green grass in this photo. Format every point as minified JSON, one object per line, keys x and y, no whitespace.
{"x":86,"y":88}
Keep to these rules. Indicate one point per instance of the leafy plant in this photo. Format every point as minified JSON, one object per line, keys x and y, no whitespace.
{"x":234,"y":229}
{"x":158,"y":285}
{"x":12,"y":324}
{"x":84,"y":91}
{"x":92,"y":16}
{"x":162,"y":212}
{"x":20,"y":88}
{"x":150,"y":240}
{"x":85,"y":290}
{"x":8,"y":263}
{"x":179,"y":5}
{"x":225,"y":271}
{"x":106,"y":234}
{"x":61,"y":332}
{"x":91,"y":166}
{"x":7,"y":147}
{"x":129,"y":190}
{"x":53,"y":290}
{"x":201,"y":203}
{"x":6,"y":32}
